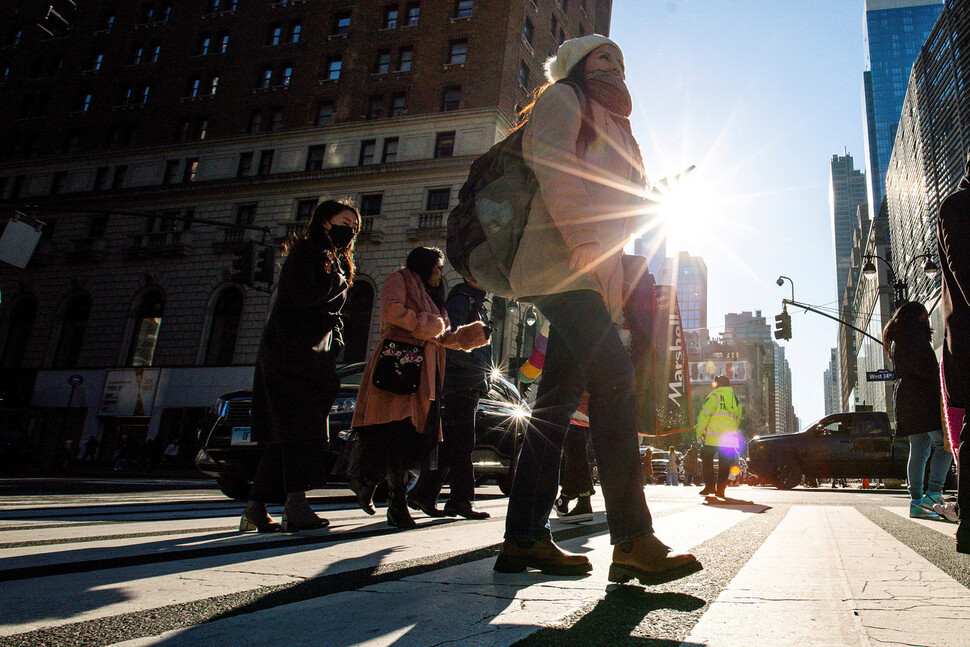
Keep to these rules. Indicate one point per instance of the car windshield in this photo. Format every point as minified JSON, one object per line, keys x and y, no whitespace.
{"x":350,"y":374}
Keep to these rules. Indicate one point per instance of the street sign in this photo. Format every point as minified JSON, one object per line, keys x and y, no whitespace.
{"x":882,"y":375}
{"x":76,"y":380}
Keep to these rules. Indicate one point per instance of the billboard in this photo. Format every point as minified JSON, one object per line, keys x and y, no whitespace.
{"x":735,"y":370}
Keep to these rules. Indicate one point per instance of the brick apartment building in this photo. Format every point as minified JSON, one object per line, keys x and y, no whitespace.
{"x":147,"y":122}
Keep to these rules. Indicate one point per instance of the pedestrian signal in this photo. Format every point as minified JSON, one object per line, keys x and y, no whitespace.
{"x":783,"y":326}
{"x":266,"y":265}
{"x":243,"y":263}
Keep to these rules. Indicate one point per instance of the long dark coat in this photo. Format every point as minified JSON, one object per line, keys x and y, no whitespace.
{"x":917,"y":395}
{"x":953,"y":245}
{"x":296,"y":383}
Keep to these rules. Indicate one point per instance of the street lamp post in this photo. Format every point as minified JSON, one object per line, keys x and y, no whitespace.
{"x":900,"y":288}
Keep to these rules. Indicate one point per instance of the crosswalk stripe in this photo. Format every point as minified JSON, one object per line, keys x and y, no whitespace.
{"x":830,"y":576}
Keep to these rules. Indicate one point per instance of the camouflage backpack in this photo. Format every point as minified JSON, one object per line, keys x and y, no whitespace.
{"x":485,"y":228}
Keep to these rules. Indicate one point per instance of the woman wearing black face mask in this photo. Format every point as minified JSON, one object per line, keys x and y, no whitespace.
{"x":295,"y":382}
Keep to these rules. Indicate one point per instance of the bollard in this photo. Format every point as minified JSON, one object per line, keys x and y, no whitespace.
{"x":865,"y":484}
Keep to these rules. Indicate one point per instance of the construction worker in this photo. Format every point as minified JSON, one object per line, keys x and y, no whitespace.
{"x":717,"y":433}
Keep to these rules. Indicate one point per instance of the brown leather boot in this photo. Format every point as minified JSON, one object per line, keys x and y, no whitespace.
{"x":650,"y":561}
{"x":544,"y":555}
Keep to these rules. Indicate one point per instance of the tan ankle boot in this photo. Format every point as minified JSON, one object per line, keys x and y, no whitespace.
{"x":650,"y":561}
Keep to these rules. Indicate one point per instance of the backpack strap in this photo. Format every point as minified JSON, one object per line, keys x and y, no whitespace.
{"x":587,"y":132}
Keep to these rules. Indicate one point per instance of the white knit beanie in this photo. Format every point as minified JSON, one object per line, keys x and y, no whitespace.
{"x":571,"y":52}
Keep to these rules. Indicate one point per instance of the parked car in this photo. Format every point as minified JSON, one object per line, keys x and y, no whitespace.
{"x":858,"y":444}
{"x":228,"y":453}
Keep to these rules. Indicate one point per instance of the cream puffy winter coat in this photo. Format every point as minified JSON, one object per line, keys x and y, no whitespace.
{"x":586,"y":194}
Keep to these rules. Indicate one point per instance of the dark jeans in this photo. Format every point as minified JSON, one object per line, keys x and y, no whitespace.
{"x":291,"y":466}
{"x":576,"y":475}
{"x":454,"y":452}
{"x":725,"y":460}
{"x":583,"y":341}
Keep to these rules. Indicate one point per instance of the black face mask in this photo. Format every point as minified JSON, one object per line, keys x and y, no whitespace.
{"x":341,"y":236}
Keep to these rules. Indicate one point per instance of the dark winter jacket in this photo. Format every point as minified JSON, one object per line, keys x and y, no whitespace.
{"x":295,"y":382}
{"x":917,"y":396}
{"x":463,"y":370}
{"x":953,"y":240}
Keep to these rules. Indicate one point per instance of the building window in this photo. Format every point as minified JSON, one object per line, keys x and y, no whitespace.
{"x":181,"y":132}
{"x":341,"y":24}
{"x":367,"y":149}
{"x":57,"y":182}
{"x":85,"y":103}
{"x":101,"y":178}
{"x":451,"y":98}
{"x":463,"y":8}
{"x":144,"y":337}
{"x":203,"y":128}
{"x":97,"y":226}
{"x":107,"y":22}
{"x":265,"y":78}
{"x":205,"y":42}
{"x":382,"y":64}
{"x":213,"y":85}
{"x":390,"y":150}
{"x":333,"y":68}
{"x":529,"y":31}
{"x":305,"y":209}
{"x":171,"y":172}
{"x":191,"y":167}
{"x":225,"y":328}
{"x":18,"y":333}
{"x":398,"y":105}
{"x":165,"y":12}
{"x":276,"y":119}
{"x":315,"y":156}
{"x":121,"y":172}
{"x":524,"y":75}
{"x":224,"y":44}
{"x":405,"y":58}
{"x":147,"y":13}
{"x":390,"y":17}
{"x":265,"y":162}
{"x":413,"y":13}
{"x":156,"y":53}
{"x":275,"y":35}
{"x":438,"y":199}
{"x":457,"y":52}
{"x":75,"y":322}
{"x":245,"y":165}
{"x":295,"y":29}
{"x":324,"y":113}
{"x":444,"y":144}
{"x":194,"y":85}
{"x":370,"y":205}
{"x":255,"y":122}
{"x":245,"y":214}
{"x":287,"y":76}
{"x":375,"y":107}
{"x":97,"y":60}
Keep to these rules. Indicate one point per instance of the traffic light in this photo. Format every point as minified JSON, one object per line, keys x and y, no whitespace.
{"x":58,"y":17}
{"x":243,"y":263}
{"x":266,"y":265}
{"x":783,"y":326}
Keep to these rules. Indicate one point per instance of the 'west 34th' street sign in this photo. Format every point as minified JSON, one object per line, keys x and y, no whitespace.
{"x":882,"y":375}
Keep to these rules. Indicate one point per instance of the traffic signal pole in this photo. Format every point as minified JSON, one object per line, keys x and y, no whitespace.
{"x":825,"y":314}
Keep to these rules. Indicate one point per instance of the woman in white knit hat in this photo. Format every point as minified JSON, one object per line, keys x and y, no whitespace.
{"x":579,"y":142}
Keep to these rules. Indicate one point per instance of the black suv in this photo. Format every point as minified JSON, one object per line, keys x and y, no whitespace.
{"x":859,"y":444}
{"x":228,"y":453}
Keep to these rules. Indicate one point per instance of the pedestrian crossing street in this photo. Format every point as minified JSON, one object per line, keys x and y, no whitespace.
{"x":778,"y":574}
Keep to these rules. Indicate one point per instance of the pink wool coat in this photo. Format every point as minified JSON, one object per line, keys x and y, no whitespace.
{"x":408,"y":314}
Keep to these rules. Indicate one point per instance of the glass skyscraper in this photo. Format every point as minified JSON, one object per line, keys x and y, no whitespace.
{"x":894,"y":32}
{"x":846,"y":192}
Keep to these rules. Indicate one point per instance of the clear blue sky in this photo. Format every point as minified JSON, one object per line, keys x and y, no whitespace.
{"x":759,"y":94}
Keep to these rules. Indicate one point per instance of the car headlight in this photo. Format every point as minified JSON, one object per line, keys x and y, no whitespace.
{"x":342,"y":405}
{"x":218,"y":408}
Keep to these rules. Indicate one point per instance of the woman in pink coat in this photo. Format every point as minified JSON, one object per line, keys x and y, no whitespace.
{"x":398,"y":432}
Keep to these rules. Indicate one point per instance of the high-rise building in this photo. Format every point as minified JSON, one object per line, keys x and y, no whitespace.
{"x":847,"y":190}
{"x":689,"y":275}
{"x":745,"y":327}
{"x":156,"y":136}
{"x":894,"y":32}
{"x":830,"y":384}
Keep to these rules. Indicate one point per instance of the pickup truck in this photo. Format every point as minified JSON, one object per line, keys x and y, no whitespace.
{"x":859,"y":444}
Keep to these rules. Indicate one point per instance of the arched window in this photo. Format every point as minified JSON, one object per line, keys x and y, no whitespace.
{"x":72,"y":332}
{"x":18,"y":331}
{"x":356,"y":315}
{"x":224,"y":328}
{"x":148,"y":320}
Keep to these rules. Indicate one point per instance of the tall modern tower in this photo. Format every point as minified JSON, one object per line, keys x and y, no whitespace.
{"x":846,"y":192}
{"x":894,"y":32}
{"x":689,"y":274}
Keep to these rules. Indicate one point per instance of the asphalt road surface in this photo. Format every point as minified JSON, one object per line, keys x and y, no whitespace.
{"x":143,"y":562}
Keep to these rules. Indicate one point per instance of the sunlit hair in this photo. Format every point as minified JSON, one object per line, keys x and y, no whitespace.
{"x":317,"y":234}
{"x":576,"y":75}
{"x":910,"y":321}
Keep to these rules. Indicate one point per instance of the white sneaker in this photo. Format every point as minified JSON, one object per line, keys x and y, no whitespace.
{"x":947,"y":510}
